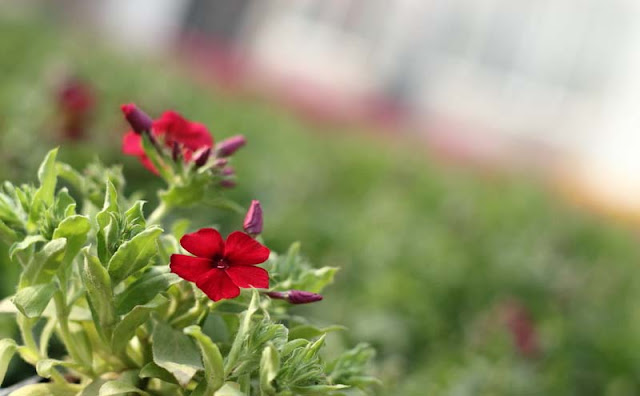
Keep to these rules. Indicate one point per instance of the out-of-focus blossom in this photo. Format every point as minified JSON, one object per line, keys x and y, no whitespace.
{"x":75,"y":100}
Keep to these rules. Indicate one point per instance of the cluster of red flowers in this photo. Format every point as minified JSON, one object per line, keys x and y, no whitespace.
{"x":75,"y":99}
{"x":185,"y":139}
{"x":219,"y":268}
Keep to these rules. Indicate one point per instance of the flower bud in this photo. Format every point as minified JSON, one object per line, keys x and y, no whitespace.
{"x":227,"y":183}
{"x":230,"y":145}
{"x":253,"y":220}
{"x":175,"y":152}
{"x":228,"y":171}
{"x":202,"y":157}
{"x":138,"y":119}
{"x":220,"y":162}
{"x":296,"y":296}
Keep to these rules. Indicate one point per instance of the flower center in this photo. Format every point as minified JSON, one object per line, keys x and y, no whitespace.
{"x":221,"y":264}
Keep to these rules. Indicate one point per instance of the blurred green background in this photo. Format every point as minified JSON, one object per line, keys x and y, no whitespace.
{"x":437,"y":263}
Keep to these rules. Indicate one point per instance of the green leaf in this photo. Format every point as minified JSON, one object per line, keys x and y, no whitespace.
{"x":135,"y":214}
{"x":243,"y":332}
{"x":69,"y":174}
{"x":126,"y":329}
{"x":44,"y":265}
{"x":7,"y":234}
{"x":152,"y":282}
{"x":313,"y":280}
{"x":25,"y":244}
{"x":50,"y":389}
{"x":107,"y":226}
{"x":152,"y":370}
{"x":269,"y":367}
{"x":309,"y":332}
{"x":64,"y":204}
{"x":213,"y":364}
{"x":74,"y":229}
{"x":45,"y":367}
{"x":350,"y":367}
{"x":93,"y":388}
{"x":33,"y":300}
{"x":98,"y":285}
{"x":125,"y":385}
{"x":48,"y":177}
{"x":7,"y":350}
{"x":134,"y":254}
{"x":175,"y":352}
{"x":230,"y":389}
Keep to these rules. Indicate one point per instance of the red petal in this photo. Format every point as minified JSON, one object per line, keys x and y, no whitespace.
{"x":192,"y":135}
{"x":205,"y":242}
{"x":249,"y":276}
{"x":241,"y":249}
{"x":132,"y":144}
{"x":217,"y":285}
{"x":188,"y":267}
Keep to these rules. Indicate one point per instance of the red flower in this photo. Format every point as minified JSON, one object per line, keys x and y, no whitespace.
{"x":171,"y":128}
{"x":221,"y":268}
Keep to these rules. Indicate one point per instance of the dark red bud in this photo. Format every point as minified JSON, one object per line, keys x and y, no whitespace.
{"x":138,"y":119}
{"x":220,"y":163}
{"x":175,"y":152}
{"x":229,"y":146}
{"x":202,"y":157}
{"x":296,"y":296}
{"x":253,"y":219}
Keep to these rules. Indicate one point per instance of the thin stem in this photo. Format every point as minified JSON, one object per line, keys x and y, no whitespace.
{"x":245,"y":383}
{"x":32,"y":353}
{"x":157,"y":215}
{"x":65,"y":333}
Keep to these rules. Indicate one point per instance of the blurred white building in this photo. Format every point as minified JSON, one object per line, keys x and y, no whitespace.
{"x":547,"y":82}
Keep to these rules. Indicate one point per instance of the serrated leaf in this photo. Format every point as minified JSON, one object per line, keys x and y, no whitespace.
{"x":152,"y":282}
{"x":98,"y":285}
{"x":269,"y":367}
{"x":126,"y":329}
{"x":33,"y":300}
{"x":175,"y":352}
{"x":152,"y":370}
{"x":134,"y":254}
{"x":309,"y":332}
{"x":7,"y":350}
{"x":213,"y":363}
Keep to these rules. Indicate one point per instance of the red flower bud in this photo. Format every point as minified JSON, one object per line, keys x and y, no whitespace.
{"x":296,"y":296}
{"x":229,"y":146}
{"x":202,"y":157}
{"x":138,"y":119}
{"x":253,"y":220}
{"x":175,"y":152}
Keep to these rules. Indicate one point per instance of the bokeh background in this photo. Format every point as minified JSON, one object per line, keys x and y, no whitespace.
{"x":472,"y":165}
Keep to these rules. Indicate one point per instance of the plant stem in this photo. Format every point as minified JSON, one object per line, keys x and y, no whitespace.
{"x":157,"y":215}
{"x":65,"y":333}
{"x":26,"y":331}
